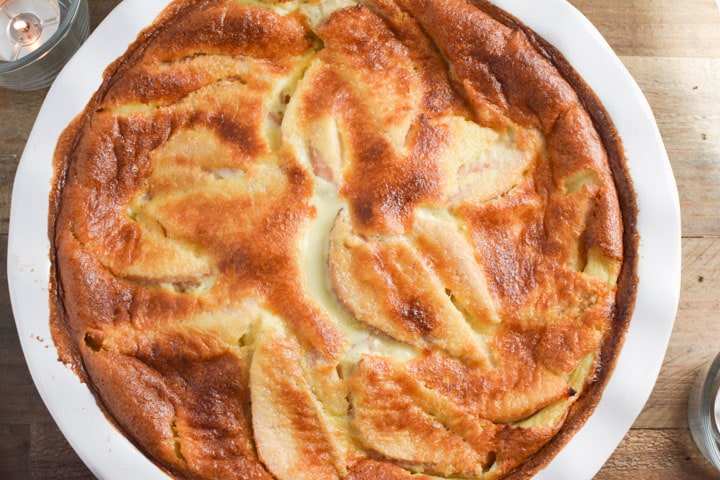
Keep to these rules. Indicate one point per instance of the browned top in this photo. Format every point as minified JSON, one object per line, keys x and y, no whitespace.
{"x":448,"y":168}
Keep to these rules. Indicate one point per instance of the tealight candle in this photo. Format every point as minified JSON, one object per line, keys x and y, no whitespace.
{"x":26,"y":25}
{"x":37,"y":37}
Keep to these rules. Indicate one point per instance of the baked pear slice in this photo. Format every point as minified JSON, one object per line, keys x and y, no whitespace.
{"x":299,"y":411}
{"x":386,"y":284}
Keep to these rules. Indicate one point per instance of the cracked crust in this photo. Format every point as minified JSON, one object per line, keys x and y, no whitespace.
{"x":464,"y":188}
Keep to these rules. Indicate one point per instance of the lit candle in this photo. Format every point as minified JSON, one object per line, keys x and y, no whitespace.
{"x":25,"y":25}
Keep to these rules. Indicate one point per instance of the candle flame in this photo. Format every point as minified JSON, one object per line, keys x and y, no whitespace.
{"x":21,"y":25}
{"x":26,"y":29}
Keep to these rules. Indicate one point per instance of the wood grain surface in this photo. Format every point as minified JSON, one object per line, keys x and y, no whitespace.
{"x":672,"y":49}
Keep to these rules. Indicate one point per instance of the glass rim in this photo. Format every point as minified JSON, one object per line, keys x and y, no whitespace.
{"x":711,"y":392}
{"x":58,"y":36}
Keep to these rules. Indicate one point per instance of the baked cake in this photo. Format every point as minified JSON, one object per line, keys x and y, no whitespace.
{"x":311,"y":240}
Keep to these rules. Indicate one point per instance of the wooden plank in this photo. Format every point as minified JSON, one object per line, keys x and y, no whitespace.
{"x":18,"y":110}
{"x":684,"y":95}
{"x":8,"y":164}
{"x":17,"y":116}
{"x":658,"y":454}
{"x":667,"y":405}
{"x":657,"y":28}
{"x":52,"y":457}
{"x":14,"y":450}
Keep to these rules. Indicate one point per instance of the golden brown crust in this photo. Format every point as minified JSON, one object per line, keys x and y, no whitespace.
{"x":474,"y":211}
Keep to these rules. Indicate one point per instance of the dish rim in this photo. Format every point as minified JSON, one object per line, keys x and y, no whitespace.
{"x":109,"y":454}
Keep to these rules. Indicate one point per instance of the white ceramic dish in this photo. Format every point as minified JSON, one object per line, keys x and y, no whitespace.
{"x":109,"y":455}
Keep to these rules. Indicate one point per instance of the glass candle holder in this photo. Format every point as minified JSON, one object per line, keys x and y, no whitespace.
{"x":704,"y":411}
{"x":37,"y":38}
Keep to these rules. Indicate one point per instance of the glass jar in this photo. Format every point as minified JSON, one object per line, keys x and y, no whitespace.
{"x":704,"y":410}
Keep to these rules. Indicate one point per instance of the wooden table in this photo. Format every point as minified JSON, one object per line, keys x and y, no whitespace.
{"x":672,"y":49}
